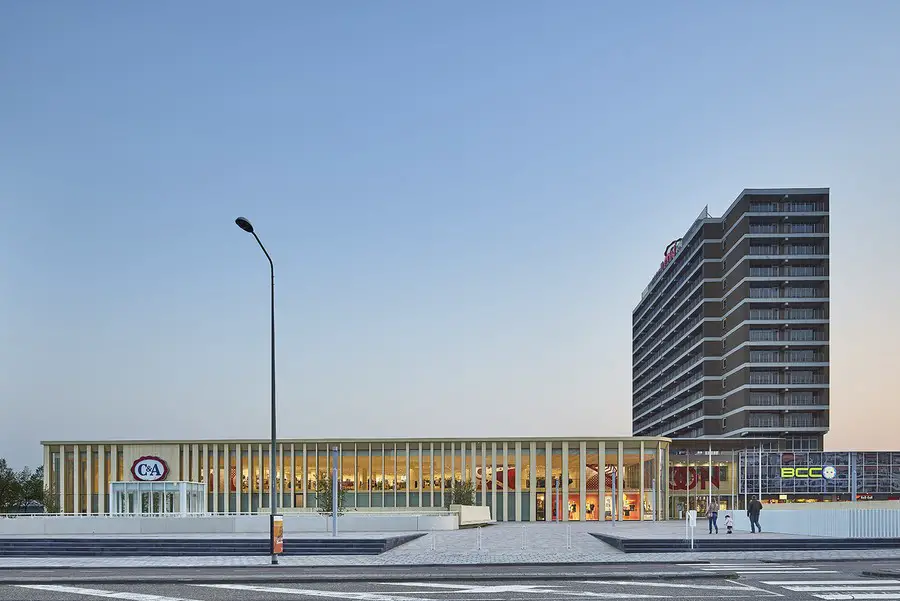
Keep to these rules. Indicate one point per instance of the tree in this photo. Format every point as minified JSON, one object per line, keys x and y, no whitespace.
{"x":461,"y":493}
{"x":10,"y":489}
{"x":324,"y":487}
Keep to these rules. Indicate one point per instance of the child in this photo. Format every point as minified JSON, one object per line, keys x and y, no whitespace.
{"x":729,"y":523}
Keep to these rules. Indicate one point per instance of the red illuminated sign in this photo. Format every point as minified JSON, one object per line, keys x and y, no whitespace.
{"x":671,"y":252}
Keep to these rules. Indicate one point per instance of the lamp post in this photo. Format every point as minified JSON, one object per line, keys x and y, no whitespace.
{"x":244,"y":224}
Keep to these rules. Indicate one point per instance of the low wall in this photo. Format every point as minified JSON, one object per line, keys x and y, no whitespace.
{"x":837,"y":523}
{"x":49,"y":525}
{"x":472,"y":515}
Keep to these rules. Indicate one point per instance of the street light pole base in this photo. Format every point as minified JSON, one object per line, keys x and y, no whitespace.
{"x":274,"y":560}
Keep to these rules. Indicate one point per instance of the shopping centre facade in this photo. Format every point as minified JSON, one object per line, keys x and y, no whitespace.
{"x":519,"y":479}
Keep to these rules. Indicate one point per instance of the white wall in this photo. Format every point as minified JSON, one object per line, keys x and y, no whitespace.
{"x":837,"y":523}
{"x":241,"y":524}
{"x":471,"y":515}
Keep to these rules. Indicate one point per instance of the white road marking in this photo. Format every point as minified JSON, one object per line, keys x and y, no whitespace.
{"x":843,"y":590}
{"x":93,"y":592}
{"x":708,"y":587}
{"x":824,"y":582}
{"x":851,"y":596}
{"x":313,"y":592}
{"x":466,"y":589}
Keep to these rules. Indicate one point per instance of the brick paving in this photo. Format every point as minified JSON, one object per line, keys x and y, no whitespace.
{"x":506,"y":543}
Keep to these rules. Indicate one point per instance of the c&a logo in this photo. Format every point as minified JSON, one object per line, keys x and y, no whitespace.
{"x":149,"y":469}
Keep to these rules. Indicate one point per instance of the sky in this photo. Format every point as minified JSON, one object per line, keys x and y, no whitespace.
{"x":463,"y":201}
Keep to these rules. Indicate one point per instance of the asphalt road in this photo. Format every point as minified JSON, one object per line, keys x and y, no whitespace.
{"x":729,"y":580}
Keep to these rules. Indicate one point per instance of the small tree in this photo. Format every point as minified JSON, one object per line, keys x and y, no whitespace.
{"x":324,"y":484}
{"x":10,"y":489}
{"x":461,"y":493}
{"x":51,"y":499}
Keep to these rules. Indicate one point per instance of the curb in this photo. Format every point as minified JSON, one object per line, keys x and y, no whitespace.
{"x":833,"y":560}
{"x":333,"y":578}
{"x":881,"y":573}
{"x":385,"y":567}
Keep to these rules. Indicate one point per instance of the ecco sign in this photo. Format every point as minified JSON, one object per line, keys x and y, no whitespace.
{"x":149,"y":469}
{"x":828,"y":472}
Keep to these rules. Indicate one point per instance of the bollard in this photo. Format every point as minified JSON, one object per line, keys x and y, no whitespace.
{"x":524,"y":537}
{"x":568,"y":537}
{"x":478,"y":537}
{"x":433,"y":541}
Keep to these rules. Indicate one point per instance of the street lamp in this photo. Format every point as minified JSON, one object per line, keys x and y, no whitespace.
{"x":244,"y":224}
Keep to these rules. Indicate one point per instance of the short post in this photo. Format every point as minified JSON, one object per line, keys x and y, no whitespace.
{"x":478,"y":537}
{"x":692,"y":523}
{"x":433,"y":541}
{"x":568,"y":537}
{"x":334,"y":490}
{"x":524,"y":537}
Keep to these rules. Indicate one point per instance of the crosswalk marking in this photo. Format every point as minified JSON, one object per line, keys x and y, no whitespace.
{"x":361,"y":596}
{"x":93,"y":592}
{"x":749,"y":569}
{"x":842,"y":590}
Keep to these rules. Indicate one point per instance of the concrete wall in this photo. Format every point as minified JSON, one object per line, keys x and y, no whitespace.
{"x":240,"y":524}
{"x":472,"y":515}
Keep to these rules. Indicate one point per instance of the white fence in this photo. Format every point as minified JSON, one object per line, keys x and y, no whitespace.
{"x":834,"y":523}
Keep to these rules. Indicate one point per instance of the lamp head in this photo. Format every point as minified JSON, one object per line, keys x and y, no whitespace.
{"x":244,"y":224}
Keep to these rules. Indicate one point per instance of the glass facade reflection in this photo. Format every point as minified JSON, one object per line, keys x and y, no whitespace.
{"x":520,"y":479}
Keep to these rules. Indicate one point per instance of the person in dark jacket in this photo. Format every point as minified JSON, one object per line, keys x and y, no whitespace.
{"x":753,"y":513}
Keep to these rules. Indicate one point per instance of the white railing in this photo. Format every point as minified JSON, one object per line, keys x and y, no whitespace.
{"x":220,"y":514}
{"x":836,"y":523}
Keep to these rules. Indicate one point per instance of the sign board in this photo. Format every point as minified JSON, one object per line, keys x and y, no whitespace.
{"x":692,"y":518}
{"x":277,"y":534}
{"x":149,"y":469}
{"x":828,"y":472}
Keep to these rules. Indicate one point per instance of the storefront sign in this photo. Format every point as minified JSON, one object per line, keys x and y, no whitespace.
{"x":827,"y":472}
{"x":670,"y":254}
{"x":149,"y":469}
{"x":685,"y":478}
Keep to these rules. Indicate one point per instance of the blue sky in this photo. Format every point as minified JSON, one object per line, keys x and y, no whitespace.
{"x":463,"y":200}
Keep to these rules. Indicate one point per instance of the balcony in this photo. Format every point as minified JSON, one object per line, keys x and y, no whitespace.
{"x":787,"y":271}
{"x":650,"y":360}
{"x":790,"y":378}
{"x":774,"y":399}
{"x":801,"y":356}
{"x":791,"y":335}
{"x":669,"y":371}
{"x":787,"y":207}
{"x":774,"y":292}
{"x":787,"y":228}
{"x":786,"y":250}
{"x":786,"y":314}
{"x":663,"y":413}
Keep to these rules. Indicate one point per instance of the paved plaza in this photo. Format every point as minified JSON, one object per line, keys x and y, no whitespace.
{"x":505,"y":543}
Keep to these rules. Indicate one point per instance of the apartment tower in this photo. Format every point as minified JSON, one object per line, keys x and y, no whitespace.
{"x":730,"y":338}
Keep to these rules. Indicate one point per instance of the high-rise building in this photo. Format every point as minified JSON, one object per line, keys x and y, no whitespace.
{"x":730,"y":338}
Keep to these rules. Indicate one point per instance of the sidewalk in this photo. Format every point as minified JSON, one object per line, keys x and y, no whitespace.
{"x":508,"y":543}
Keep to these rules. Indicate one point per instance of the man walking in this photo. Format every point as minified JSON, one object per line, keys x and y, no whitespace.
{"x":753,"y":513}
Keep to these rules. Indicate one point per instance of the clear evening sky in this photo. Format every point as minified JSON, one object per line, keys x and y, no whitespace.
{"x":464,"y":201}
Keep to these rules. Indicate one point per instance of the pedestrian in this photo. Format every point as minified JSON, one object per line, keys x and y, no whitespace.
{"x":753,"y":513}
{"x":712,"y":514}
{"x":729,"y":523}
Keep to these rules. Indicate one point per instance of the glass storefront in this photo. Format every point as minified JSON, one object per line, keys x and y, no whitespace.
{"x":521,"y":480}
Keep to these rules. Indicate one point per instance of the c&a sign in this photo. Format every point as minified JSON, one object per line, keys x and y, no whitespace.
{"x":149,"y":469}
{"x":790,"y":473}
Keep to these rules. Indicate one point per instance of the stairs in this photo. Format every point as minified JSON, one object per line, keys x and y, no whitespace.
{"x":739,"y":545}
{"x":146,"y":547}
